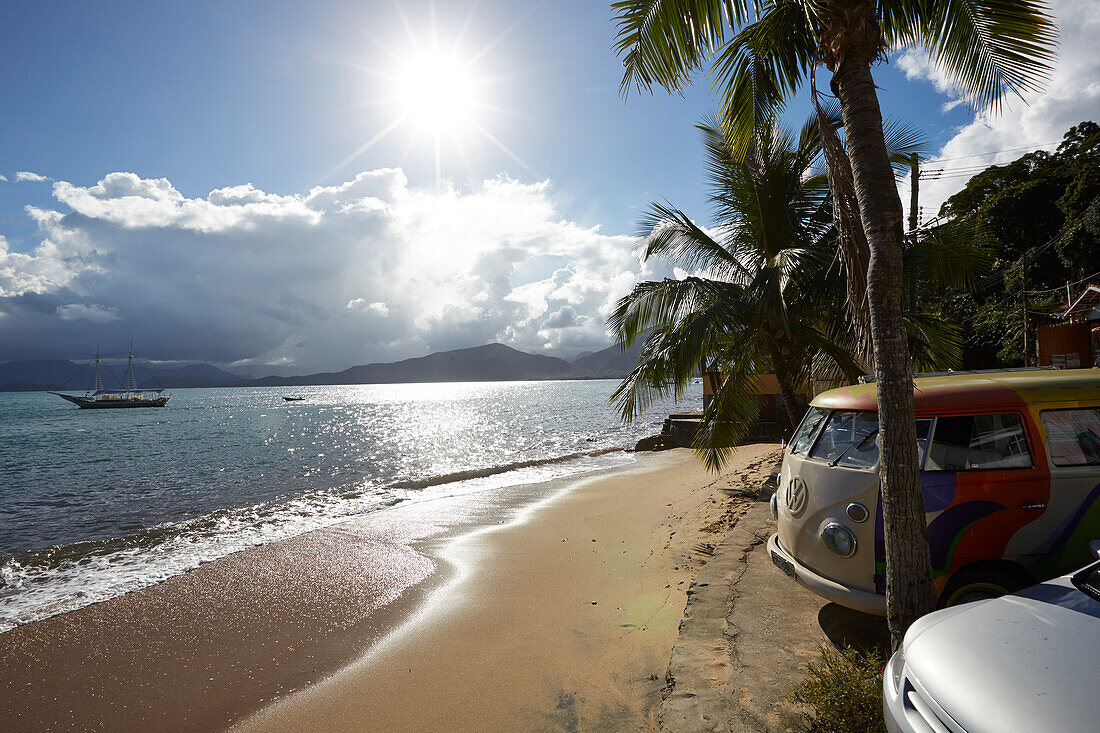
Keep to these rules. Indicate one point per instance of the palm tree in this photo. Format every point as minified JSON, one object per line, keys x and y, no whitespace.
{"x":766,"y":296}
{"x":762,"y":280}
{"x":988,"y":49}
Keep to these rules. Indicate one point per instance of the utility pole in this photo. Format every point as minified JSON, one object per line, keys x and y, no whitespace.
{"x":1023,"y":303}
{"x":1069,"y":300}
{"x":914,"y":189}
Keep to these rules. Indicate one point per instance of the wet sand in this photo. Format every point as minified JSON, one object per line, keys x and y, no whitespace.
{"x":564,"y":621}
{"x":470,"y":612}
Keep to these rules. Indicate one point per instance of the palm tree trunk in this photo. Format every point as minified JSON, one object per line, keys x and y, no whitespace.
{"x":795,"y":412}
{"x":909,"y":592}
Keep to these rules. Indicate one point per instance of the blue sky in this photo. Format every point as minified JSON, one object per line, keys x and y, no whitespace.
{"x":279,"y":95}
{"x":214,"y":94}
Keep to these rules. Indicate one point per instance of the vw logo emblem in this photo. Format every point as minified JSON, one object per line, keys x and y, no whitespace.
{"x":796,"y":495}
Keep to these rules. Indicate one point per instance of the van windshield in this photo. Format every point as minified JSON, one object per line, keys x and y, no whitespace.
{"x":807,"y":430}
{"x":849,"y":439}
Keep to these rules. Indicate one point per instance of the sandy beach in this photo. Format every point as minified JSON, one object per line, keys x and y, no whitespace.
{"x":553,"y":607}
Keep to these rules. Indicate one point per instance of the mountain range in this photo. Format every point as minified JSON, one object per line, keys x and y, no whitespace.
{"x":489,"y":363}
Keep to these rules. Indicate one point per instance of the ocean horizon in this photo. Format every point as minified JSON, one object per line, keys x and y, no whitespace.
{"x":97,"y":503}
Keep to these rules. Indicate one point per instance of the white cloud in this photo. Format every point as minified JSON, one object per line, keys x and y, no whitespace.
{"x":3,"y":177}
{"x":367,"y":270}
{"x":93,"y":313}
{"x":28,"y":176}
{"x":46,"y":269}
{"x":916,"y":65}
{"x":361,"y":304}
{"x":1071,"y":96}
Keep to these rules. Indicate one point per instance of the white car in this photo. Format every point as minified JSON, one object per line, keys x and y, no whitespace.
{"x":1029,"y":661}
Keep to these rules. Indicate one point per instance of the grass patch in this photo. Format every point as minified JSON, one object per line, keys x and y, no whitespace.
{"x":843,"y":691}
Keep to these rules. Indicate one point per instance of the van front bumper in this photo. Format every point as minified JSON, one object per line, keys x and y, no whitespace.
{"x":860,"y":600}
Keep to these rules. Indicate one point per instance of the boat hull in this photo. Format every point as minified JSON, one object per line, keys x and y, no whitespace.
{"x":93,"y":404}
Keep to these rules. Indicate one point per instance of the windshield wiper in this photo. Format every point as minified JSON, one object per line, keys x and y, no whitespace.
{"x":861,"y":445}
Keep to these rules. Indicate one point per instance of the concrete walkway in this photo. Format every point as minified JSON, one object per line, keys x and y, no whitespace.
{"x":748,"y":632}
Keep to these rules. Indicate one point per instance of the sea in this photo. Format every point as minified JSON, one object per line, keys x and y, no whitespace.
{"x":96,"y":503}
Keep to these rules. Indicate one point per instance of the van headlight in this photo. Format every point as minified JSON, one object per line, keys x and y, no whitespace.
{"x":839,"y":539}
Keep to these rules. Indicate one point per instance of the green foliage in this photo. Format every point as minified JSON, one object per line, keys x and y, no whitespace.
{"x":763,"y":294}
{"x":843,"y":691}
{"x":761,"y":52}
{"x":1040,"y":216}
{"x":766,"y":295}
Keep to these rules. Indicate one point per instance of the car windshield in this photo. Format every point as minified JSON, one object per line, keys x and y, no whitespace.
{"x":807,"y":430}
{"x":1088,"y":581}
{"x":849,"y":439}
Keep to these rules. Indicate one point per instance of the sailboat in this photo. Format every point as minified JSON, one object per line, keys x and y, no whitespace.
{"x":131,"y":396}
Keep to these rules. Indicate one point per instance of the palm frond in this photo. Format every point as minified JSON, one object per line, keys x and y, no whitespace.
{"x":663,"y":41}
{"x":760,"y":68}
{"x":672,"y":354}
{"x":733,"y":405}
{"x":665,"y":304}
{"x":934,"y":344}
{"x":671,"y":233}
{"x":988,"y":48}
{"x":951,"y":255}
{"x":902,"y":141}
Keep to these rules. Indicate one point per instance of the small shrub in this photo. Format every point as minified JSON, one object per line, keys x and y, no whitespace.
{"x":844,"y":691}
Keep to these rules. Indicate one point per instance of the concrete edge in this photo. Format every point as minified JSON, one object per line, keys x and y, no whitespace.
{"x":699,"y":670}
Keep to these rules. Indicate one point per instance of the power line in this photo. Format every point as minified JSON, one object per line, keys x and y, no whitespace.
{"x":995,"y":152}
{"x":1063,"y":287}
{"x":937,"y":173}
{"x":931,"y":172}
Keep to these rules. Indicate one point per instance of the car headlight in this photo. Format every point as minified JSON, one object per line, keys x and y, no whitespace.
{"x":897,"y":667}
{"x":839,"y":539}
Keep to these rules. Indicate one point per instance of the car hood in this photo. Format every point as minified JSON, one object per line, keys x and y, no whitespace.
{"x":1026,"y":661}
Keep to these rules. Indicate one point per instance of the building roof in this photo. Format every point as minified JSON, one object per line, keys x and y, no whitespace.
{"x":1087,"y":301}
{"x":962,"y":391}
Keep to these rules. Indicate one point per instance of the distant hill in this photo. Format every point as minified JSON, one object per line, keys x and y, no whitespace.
{"x":195,"y":375}
{"x":55,"y":374}
{"x":489,"y":363}
{"x":608,"y":363}
{"x":26,"y":376}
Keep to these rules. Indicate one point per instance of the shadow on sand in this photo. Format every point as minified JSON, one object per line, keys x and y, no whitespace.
{"x":846,"y":627}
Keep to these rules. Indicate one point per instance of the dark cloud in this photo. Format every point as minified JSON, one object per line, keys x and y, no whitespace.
{"x":367,"y":270}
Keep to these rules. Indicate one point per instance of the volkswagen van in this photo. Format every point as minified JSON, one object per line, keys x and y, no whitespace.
{"x":1010,"y":472}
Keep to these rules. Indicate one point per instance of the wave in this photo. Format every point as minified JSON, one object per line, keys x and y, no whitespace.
{"x":475,"y":473}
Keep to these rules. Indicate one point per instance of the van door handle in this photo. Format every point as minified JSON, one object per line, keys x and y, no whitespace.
{"x":1033,"y":506}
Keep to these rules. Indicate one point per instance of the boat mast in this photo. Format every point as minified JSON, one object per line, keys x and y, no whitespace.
{"x":98,"y":379}
{"x":131,"y":378}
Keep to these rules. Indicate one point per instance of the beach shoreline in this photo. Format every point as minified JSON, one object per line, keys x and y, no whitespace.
{"x":219,"y":644}
{"x":563,"y":621}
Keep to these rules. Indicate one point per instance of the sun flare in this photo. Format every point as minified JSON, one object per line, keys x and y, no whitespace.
{"x":436,"y":92}
{"x":438,"y":89}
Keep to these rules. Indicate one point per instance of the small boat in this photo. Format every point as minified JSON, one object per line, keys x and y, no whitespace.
{"x":294,"y":399}
{"x":131,"y":396}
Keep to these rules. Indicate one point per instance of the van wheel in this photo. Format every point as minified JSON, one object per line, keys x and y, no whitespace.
{"x":978,"y":585}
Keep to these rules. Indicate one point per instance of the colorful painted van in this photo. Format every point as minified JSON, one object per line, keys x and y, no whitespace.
{"x":1010,"y":465}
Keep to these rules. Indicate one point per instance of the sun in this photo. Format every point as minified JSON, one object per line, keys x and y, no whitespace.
{"x":437,"y":92}
{"x":436,"y":87}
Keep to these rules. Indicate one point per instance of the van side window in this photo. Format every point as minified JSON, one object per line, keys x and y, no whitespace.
{"x":807,"y":430}
{"x":978,"y":442}
{"x":923,"y":428}
{"x":1073,"y":436}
